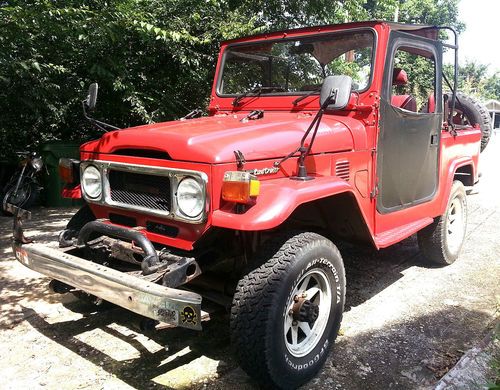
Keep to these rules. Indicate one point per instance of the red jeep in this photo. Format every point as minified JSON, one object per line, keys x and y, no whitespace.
{"x":314,"y":135}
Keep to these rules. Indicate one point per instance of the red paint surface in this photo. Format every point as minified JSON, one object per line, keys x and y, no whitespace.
{"x":72,"y":192}
{"x":207,"y":144}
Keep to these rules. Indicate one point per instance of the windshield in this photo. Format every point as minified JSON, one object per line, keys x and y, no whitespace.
{"x":297,"y":66}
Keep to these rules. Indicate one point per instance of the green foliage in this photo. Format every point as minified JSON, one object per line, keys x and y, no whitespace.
{"x":432,"y":12}
{"x":420,"y":71}
{"x":492,"y":87}
{"x":473,"y":79}
{"x":153,"y":59}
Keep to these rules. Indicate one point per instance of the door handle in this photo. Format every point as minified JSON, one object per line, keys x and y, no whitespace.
{"x":434,"y":139}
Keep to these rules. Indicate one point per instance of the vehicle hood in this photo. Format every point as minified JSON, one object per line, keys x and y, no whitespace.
{"x":214,"y":139}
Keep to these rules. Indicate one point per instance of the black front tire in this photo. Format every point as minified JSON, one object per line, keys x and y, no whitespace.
{"x":260,"y":309}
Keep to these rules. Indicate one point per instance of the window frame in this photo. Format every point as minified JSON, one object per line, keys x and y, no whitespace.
{"x":400,"y":39}
{"x":295,"y":38}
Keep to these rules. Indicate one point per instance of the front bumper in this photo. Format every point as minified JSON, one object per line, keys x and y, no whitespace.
{"x":173,"y":306}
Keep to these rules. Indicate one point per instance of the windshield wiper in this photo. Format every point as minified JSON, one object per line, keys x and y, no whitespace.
{"x":253,"y":92}
{"x":300,"y":98}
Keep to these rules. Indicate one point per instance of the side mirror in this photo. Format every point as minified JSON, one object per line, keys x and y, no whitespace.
{"x":335,"y":92}
{"x":92,"y":96}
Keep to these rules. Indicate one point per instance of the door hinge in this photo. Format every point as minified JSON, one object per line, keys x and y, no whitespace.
{"x":374,"y":192}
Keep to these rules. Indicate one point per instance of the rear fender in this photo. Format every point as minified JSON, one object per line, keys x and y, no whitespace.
{"x":454,"y":166}
{"x":278,"y":199}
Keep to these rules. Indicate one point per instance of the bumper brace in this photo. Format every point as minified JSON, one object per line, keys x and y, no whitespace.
{"x":173,"y":306}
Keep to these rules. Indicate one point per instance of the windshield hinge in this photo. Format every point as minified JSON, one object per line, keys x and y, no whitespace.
{"x":196,"y":113}
{"x":253,"y":115}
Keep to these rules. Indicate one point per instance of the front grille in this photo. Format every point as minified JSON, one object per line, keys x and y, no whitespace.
{"x":137,"y":189}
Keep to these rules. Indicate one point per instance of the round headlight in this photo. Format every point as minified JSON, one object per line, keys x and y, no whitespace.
{"x":37,"y":163}
{"x":91,"y":182}
{"x":190,"y":197}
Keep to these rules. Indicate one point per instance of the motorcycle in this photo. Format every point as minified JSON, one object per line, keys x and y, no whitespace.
{"x":23,"y":188}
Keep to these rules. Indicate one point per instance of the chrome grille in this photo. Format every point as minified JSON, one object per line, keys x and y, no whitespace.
{"x":137,"y":189}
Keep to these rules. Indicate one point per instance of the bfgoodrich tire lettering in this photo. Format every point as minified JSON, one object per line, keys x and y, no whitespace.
{"x":261,"y":308}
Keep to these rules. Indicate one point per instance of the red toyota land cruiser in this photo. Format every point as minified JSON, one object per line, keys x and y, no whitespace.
{"x":313,"y":135}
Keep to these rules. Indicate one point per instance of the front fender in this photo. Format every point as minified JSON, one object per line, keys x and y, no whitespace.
{"x":277,"y":200}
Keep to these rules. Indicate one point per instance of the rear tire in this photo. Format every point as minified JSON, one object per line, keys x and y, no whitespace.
{"x":441,"y":241}
{"x":286,"y":313}
{"x":473,"y":112}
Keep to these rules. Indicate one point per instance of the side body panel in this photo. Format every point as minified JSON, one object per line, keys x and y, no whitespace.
{"x":281,"y":196}
{"x":454,"y":152}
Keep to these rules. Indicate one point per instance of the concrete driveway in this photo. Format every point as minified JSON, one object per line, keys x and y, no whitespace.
{"x":404,"y":327}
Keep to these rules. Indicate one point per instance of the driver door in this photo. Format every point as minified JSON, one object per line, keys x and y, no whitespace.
{"x":410,"y":124}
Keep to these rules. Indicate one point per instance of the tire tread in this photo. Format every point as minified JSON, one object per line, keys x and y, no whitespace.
{"x":253,"y":294}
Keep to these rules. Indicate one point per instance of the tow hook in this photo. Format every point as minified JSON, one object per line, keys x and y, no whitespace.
{"x":17,"y":228}
{"x":150,"y":263}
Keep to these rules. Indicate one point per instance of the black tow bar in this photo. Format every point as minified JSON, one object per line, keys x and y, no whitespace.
{"x":151,"y":262}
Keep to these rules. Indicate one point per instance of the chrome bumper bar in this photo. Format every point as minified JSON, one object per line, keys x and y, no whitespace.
{"x":173,"y":306}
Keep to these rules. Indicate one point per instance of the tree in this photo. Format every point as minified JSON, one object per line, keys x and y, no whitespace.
{"x":473,"y":80}
{"x":492,"y":87}
{"x":154,"y":59}
{"x":433,"y":12}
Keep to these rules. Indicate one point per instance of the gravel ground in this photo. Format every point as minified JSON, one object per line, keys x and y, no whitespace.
{"x":405,"y":324}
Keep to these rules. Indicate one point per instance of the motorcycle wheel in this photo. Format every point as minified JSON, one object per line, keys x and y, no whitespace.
{"x":27,"y":195}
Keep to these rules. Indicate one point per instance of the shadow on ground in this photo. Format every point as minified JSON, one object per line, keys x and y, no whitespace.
{"x":21,"y":286}
{"x":435,"y":345}
{"x":368,"y":273}
{"x":139,"y":372}
{"x":407,"y":355}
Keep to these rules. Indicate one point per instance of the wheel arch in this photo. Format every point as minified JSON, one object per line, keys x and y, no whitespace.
{"x":463,"y":170}
{"x":326,"y":204}
{"x":339,"y":215}
{"x":465,"y":174}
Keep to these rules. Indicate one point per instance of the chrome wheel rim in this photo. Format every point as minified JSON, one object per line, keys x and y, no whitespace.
{"x":455,"y":225}
{"x":302,"y":335}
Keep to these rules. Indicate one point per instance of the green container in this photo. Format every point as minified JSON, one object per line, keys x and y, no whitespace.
{"x":51,"y":152}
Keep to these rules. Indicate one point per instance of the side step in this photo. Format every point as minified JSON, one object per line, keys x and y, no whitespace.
{"x":392,"y":236}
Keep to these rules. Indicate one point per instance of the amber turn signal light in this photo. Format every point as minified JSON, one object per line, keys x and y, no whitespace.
{"x":240,"y":187}
{"x":68,"y":170}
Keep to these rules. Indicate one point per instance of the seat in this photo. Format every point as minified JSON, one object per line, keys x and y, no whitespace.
{"x":406,"y":102}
